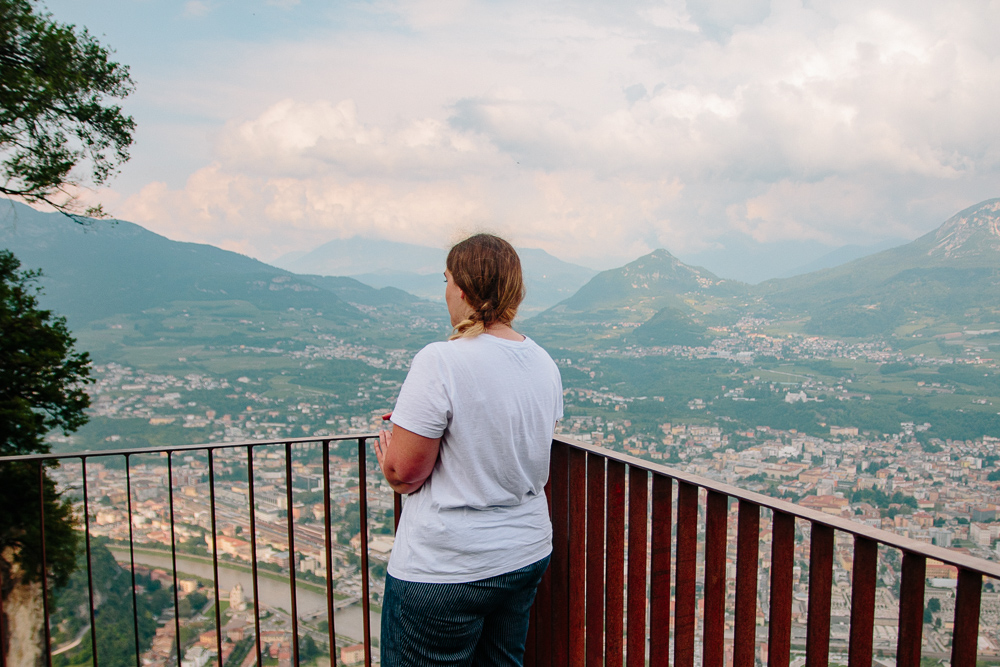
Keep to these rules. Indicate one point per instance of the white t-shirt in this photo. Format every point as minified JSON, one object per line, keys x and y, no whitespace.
{"x":482,"y":512}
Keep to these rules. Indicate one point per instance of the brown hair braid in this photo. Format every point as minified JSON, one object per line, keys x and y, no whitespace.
{"x":488,"y":271}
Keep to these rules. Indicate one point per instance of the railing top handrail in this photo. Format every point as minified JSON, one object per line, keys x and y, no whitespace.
{"x":183,"y":448}
{"x":961,"y":560}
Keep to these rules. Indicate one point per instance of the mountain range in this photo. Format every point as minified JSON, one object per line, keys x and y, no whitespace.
{"x":103,"y":268}
{"x":951,"y":274}
{"x":949,"y":277}
{"x":417,"y":269}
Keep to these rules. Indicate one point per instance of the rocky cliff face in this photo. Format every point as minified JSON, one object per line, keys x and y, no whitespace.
{"x":971,"y":233}
{"x":23,"y":618}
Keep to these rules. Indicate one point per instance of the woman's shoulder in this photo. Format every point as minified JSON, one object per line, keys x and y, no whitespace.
{"x":434,"y":350}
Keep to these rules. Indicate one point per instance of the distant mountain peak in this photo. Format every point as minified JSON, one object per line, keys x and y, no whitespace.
{"x":974,"y":231}
{"x":647,"y":283}
{"x":660,"y":264}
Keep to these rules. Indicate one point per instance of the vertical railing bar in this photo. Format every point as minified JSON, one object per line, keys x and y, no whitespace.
{"x":173,"y":554}
{"x":543,"y":618}
{"x":560,"y":553}
{"x":638,"y":502}
{"x":131,"y":559}
{"x":659,"y":579}
{"x":328,"y":537}
{"x":253,"y":552}
{"x":614,"y":652}
{"x":595,"y":560}
{"x":90,"y":568}
{"x":530,"y":657}
{"x":714,"y":622}
{"x":45,"y":564}
{"x":686,"y":573}
{"x":911,"y":610}
{"x":747,"y":554}
{"x":864,"y":579}
{"x":215,"y":555}
{"x":3,"y":628}
{"x":291,"y":554}
{"x":820,"y":588}
{"x":965,"y":636}
{"x":397,"y":510}
{"x":363,"y":507}
{"x":779,"y":636}
{"x":577,"y":561}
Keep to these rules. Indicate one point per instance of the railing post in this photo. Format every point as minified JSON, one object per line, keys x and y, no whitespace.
{"x":911,"y":610}
{"x":659,"y":575}
{"x":253,"y":553}
{"x":173,"y":555}
{"x":577,"y":573}
{"x":363,"y":511}
{"x":45,"y":565}
{"x":747,"y":548}
{"x":615,"y":562}
{"x":686,"y":568}
{"x":595,"y":560}
{"x":541,"y":621}
{"x":863,"y":583}
{"x":716,"y":511}
{"x":90,"y":567}
{"x":397,"y":510}
{"x":131,"y":561}
{"x":965,"y":637}
{"x":820,"y":588}
{"x":779,"y":631}
{"x":560,"y":554}
{"x":289,"y":501}
{"x":331,"y":610}
{"x":215,"y":556}
{"x":638,"y":500}
{"x":3,"y":632}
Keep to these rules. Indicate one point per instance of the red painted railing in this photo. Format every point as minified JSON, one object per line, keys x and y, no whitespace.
{"x":580,"y":617}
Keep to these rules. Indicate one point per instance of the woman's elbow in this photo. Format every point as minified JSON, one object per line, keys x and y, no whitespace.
{"x":403,"y":480}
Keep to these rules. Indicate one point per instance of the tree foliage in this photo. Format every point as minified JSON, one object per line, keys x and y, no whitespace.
{"x":55,"y":85}
{"x":42,"y":381}
{"x":42,"y":378}
{"x":115,"y":627}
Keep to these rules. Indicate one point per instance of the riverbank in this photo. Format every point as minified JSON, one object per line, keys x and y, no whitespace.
{"x":272,"y":587}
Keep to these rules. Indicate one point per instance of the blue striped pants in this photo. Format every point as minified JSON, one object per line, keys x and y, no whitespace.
{"x":478,"y":623}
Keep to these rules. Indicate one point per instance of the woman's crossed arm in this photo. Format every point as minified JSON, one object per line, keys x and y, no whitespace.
{"x":408,"y":462}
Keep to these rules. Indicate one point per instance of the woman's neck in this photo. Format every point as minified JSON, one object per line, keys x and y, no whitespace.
{"x":504,"y":331}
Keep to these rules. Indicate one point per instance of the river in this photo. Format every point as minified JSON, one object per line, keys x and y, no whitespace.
{"x":349,"y":621}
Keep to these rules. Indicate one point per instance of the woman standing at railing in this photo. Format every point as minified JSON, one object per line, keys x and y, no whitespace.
{"x":472,"y":431}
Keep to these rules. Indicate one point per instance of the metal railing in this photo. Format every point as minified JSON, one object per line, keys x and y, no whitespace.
{"x":581,"y":615}
{"x":623,"y":584}
{"x":211,"y":450}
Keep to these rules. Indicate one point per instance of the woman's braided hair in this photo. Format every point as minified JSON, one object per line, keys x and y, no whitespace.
{"x":488,"y":271}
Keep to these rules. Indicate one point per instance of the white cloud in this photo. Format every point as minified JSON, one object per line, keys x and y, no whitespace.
{"x":581,"y":128}
{"x":298,"y":139}
{"x":195,"y":8}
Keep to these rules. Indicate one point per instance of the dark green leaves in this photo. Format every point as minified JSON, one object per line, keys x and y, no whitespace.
{"x":42,"y":383}
{"x":55,"y":86}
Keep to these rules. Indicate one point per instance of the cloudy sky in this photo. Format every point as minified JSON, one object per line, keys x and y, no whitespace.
{"x":747,"y":136}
